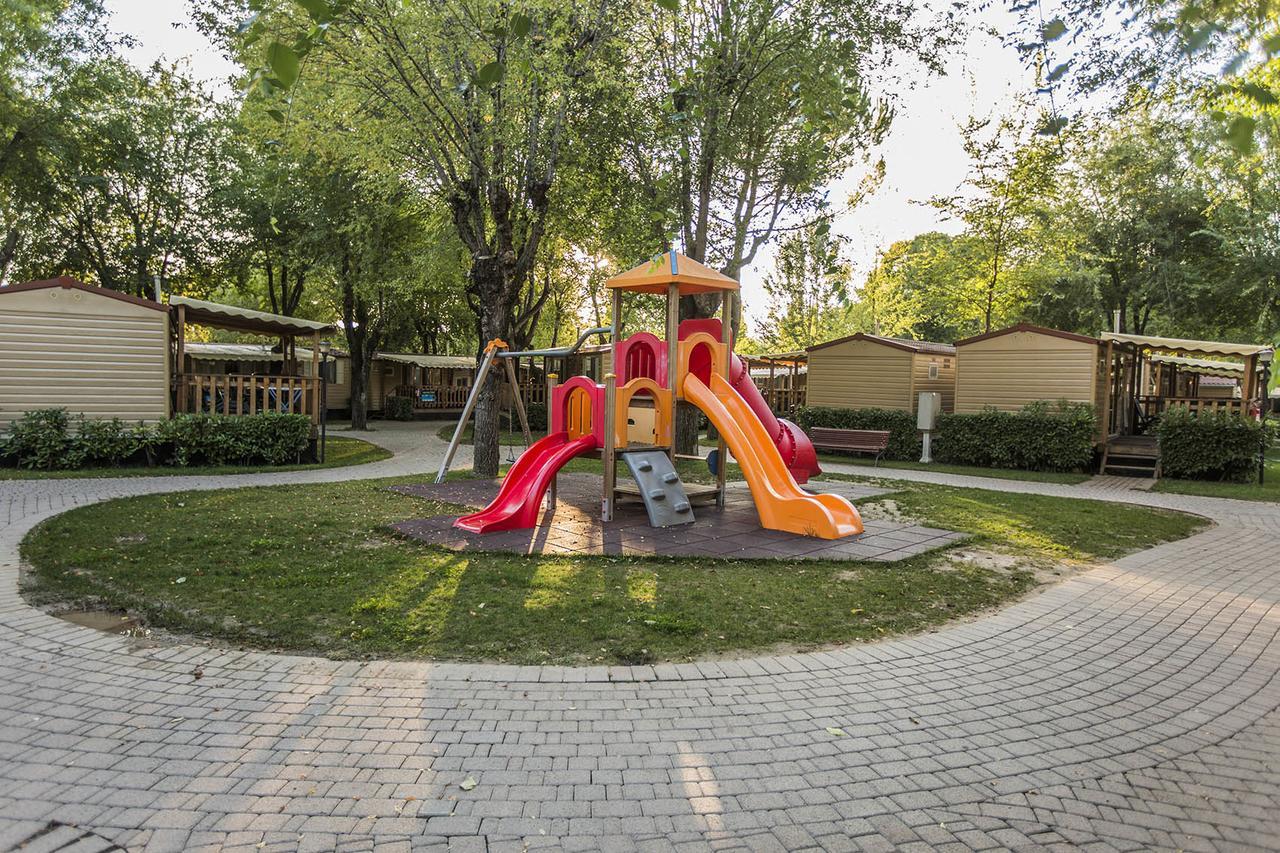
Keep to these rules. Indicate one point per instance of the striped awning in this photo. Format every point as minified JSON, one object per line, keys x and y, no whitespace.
{"x":1186,"y":347}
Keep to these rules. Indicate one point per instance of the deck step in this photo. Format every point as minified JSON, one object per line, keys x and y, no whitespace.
{"x":1145,"y":469}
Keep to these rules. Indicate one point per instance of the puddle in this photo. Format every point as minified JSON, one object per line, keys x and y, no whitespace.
{"x":112,"y":623}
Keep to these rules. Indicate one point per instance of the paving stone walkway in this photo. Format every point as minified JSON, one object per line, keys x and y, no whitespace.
{"x":1131,"y":707}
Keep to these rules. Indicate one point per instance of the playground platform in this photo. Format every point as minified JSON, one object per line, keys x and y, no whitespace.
{"x":574,"y":527}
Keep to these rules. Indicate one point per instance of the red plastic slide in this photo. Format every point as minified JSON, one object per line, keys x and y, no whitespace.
{"x":519,"y":501}
{"x":794,"y":446}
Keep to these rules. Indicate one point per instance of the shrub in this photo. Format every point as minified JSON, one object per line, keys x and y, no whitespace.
{"x":108,"y":443}
{"x":904,"y":438}
{"x":397,"y":408}
{"x":1040,"y":437}
{"x":1208,"y":446}
{"x":537,"y":414}
{"x":44,"y":439}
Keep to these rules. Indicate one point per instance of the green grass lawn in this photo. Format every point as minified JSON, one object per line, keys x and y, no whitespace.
{"x":969,"y":470}
{"x":314,"y":569}
{"x":340,"y":451}
{"x":504,"y":438}
{"x":1269,"y":490}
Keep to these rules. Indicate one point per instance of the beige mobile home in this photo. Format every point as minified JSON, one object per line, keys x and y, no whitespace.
{"x":870,"y":371}
{"x":92,"y":351}
{"x":1009,"y":368}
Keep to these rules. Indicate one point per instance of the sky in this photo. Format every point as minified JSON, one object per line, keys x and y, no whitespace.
{"x":922,"y":153}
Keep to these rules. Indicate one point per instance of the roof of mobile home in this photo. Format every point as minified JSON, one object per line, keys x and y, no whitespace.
{"x":898,"y":343}
{"x":1028,"y":327}
{"x":68,"y":283}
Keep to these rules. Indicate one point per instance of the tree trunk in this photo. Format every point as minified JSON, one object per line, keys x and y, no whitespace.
{"x":495,"y":319}
{"x":359,"y":389}
{"x":488,"y":428}
{"x":8,"y":251}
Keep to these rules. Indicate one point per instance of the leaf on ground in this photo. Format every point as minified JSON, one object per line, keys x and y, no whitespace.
{"x":468,"y":783}
{"x":836,"y":731}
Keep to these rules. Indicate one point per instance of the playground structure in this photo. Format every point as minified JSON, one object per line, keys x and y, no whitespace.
{"x":630,"y":417}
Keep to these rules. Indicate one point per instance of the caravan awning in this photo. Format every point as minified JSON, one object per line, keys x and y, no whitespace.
{"x":239,"y":319}
{"x":1184,"y":346}
{"x":455,"y":361}
{"x":1204,"y":367}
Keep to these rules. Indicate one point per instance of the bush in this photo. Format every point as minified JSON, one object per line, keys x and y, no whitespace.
{"x":1040,"y":437}
{"x":44,"y":439}
{"x":108,"y":443}
{"x":537,"y":414}
{"x":397,"y":408}
{"x":904,"y":438}
{"x":1208,"y":446}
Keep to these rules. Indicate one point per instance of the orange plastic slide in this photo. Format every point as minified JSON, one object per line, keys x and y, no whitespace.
{"x":781,"y":503}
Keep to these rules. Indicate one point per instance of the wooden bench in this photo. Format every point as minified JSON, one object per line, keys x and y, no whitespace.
{"x":851,"y":440}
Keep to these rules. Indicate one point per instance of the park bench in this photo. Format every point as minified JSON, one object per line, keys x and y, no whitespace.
{"x":851,"y":440}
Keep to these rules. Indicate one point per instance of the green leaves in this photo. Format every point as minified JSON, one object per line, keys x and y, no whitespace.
{"x":284,"y":63}
{"x":520,"y":25}
{"x":1053,"y":30}
{"x":318,"y":10}
{"x":669,"y":5}
{"x":1059,"y":72}
{"x":491,"y":74}
{"x":1240,"y":132}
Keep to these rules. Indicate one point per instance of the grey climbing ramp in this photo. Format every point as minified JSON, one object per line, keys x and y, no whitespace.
{"x":660,"y":488}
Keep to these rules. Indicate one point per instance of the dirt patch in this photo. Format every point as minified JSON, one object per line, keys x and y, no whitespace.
{"x":1043,"y":569}
{"x":885,"y":509}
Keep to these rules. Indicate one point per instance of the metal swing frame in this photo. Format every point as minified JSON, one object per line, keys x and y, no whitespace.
{"x":497,"y":348}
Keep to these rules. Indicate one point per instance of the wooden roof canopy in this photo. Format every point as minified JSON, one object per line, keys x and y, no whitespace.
{"x":672,"y":268}
{"x":236,"y":319}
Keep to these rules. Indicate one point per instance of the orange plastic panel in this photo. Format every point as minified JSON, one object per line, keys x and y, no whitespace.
{"x":578,"y":413}
{"x":702,"y":355}
{"x":661,"y":403}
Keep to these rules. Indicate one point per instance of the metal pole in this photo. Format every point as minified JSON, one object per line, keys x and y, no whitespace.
{"x":489,"y":352}
{"x":552,"y":380}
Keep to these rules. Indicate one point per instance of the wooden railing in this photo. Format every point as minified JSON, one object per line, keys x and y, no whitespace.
{"x":246,"y":394}
{"x":531,"y":393}
{"x":1152,"y":406}
{"x":434,"y":396}
{"x":783,"y":402}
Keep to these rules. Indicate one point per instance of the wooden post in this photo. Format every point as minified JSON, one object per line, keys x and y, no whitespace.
{"x":1250,"y":384}
{"x":180,"y":369}
{"x":609,"y":455}
{"x":1104,"y":421}
{"x":519,"y":403}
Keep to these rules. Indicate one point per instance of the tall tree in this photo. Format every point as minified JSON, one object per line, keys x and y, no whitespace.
{"x":127,"y":184}
{"x":760,"y":104}
{"x":808,"y":292}
{"x":1012,"y":175}
{"x":475,"y":101}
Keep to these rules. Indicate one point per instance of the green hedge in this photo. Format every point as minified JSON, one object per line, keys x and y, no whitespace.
{"x":904,"y":438}
{"x":1040,"y":437}
{"x":537,"y":414}
{"x":51,"y":439}
{"x":397,"y":408}
{"x":1208,"y":446}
